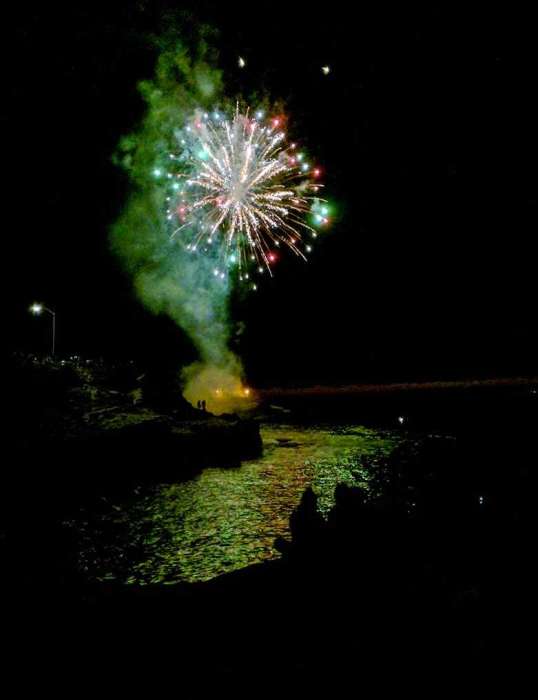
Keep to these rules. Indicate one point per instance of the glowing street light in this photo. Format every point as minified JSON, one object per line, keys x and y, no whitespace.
{"x":37,"y":310}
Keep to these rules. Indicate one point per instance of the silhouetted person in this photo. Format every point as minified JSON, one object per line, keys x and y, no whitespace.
{"x":203,"y":405}
{"x":306,"y":524}
{"x":199,"y":405}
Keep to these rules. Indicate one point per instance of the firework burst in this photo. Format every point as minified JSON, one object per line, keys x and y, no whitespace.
{"x":238,"y":190}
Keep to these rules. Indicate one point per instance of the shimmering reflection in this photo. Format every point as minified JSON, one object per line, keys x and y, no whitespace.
{"x":225,"y":519}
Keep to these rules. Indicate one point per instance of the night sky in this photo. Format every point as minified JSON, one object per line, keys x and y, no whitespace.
{"x":427,"y":129}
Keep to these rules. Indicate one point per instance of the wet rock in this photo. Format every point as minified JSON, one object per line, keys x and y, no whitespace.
{"x":73,"y":417}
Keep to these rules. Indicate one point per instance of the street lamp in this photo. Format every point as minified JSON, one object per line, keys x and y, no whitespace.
{"x":37,"y":310}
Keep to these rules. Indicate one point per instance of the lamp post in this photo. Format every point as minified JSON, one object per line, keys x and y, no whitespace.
{"x":37,"y":310}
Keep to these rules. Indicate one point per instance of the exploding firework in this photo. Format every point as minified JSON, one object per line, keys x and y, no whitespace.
{"x":238,"y":190}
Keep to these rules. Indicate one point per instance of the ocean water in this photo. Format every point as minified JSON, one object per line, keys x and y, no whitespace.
{"x":224,"y":519}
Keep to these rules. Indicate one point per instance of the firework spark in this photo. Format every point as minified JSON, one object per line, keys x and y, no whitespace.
{"x":238,"y":186}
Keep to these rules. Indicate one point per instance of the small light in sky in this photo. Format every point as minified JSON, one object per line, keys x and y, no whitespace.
{"x":325,"y":70}
{"x":241,"y":62}
{"x":401,"y":420}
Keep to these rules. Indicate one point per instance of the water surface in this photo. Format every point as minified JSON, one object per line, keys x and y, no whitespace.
{"x":224,"y":519}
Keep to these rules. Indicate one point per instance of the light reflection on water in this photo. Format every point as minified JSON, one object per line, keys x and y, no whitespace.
{"x":225,"y":519}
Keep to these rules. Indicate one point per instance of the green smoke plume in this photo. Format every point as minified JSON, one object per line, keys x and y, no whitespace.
{"x":167,"y":279}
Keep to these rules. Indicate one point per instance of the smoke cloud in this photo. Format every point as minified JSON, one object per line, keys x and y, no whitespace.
{"x":167,"y":278}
